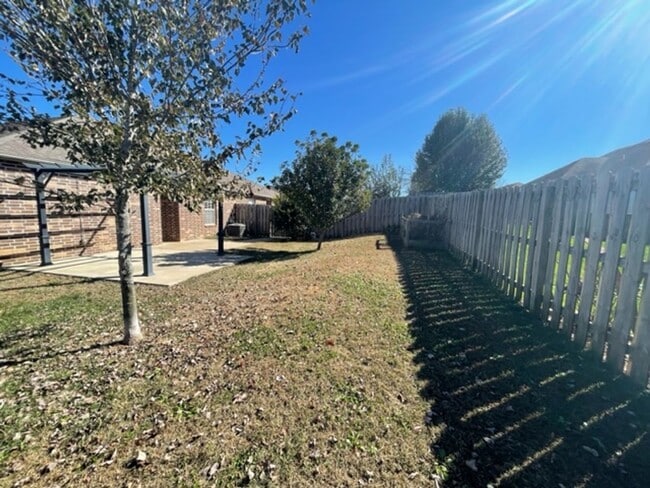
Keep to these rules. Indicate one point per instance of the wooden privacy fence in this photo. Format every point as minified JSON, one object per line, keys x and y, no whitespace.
{"x":257,"y":218}
{"x":574,"y":252}
{"x":384,"y":215}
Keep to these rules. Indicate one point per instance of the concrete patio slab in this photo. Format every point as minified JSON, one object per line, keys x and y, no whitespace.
{"x":173,"y":263}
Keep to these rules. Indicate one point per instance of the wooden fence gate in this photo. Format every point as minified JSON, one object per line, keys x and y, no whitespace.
{"x":257,"y":219}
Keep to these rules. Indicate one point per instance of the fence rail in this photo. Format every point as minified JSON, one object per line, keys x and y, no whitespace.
{"x":575,"y":252}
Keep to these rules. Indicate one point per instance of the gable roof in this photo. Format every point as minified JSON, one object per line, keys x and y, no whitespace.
{"x":263,"y":192}
{"x":635,"y":157}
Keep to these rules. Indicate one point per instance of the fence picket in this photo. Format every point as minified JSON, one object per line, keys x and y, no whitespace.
{"x":596,"y":235}
{"x":583,"y":194}
{"x":542,"y":244}
{"x":636,"y":244}
{"x":548,"y":297}
{"x":532,"y":242}
{"x":608,"y":277}
{"x":640,"y":346}
{"x":565,"y":247}
{"x":523,"y":244}
{"x":503,"y":237}
{"x":514,"y":243}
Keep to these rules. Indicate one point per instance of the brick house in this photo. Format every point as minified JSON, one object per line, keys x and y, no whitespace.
{"x":179,"y":224}
{"x":92,"y":230}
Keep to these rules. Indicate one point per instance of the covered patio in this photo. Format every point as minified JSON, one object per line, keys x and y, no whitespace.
{"x":174,"y":262}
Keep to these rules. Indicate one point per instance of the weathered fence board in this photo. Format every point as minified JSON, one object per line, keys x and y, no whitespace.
{"x":531,"y":234}
{"x":522,"y":232}
{"x":596,"y":235}
{"x":636,"y":243}
{"x":565,"y":248}
{"x":542,"y":244}
{"x":640,"y":346}
{"x":583,"y":195}
{"x":608,"y":278}
{"x":554,"y":249}
{"x":257,"y":218}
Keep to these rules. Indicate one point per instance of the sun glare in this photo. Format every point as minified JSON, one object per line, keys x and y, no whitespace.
{"x":538,"y":45}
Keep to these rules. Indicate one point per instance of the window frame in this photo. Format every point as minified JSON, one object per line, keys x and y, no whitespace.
{"x":209,"y":214}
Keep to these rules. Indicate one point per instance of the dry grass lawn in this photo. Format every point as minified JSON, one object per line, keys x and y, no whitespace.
{"x":291,"y":370}
{"x":347,"y":367}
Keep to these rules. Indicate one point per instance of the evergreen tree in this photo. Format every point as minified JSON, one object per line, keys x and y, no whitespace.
{"x":462,"y":153}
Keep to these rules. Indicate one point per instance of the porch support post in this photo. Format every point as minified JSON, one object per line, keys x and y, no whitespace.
{"x":41,"y":180}
{"x":147,"y":258}
{"x":220,"y":228}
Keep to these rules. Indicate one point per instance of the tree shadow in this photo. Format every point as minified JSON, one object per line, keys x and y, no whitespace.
{"x":233,"y":256}
{"x":512,"y":401}
{"x":52,"y":284}
{"x":196,"y":258}
{"x":7,"y":274}
{"x":34,"y":355}
{"x":261,"y":255}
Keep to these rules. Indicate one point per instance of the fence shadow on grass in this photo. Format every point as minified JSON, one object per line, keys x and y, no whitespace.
{"x":514,"y":404}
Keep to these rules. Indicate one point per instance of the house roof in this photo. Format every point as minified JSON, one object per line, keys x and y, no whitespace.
{"x":14,"y":148}
{"x":264,"y":192}
{"x":634,"y":157}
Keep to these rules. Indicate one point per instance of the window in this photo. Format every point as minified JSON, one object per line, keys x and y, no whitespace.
{"x":208,"y":213}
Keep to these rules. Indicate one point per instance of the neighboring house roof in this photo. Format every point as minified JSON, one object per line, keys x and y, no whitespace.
{"x":238,"y":186}
{"x":259,"y":191}
{"x":634,"y":157}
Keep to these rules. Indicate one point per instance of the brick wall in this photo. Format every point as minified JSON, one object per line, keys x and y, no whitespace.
{"x":18,"y":220}
{"x":192,"y":225}
{"x":81,"y":234}
{"x":90,"y":231}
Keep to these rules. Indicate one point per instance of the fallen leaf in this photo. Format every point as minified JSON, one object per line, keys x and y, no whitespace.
{"x":240,"y":397}
{"x":48,"y":468}
{"x":211,"y":470}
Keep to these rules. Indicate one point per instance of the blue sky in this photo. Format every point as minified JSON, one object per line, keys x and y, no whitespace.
{"x":560,"y":80}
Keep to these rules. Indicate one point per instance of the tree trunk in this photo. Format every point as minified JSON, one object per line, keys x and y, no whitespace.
{"x":321,"y":236}
{"x":132,"y":333}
